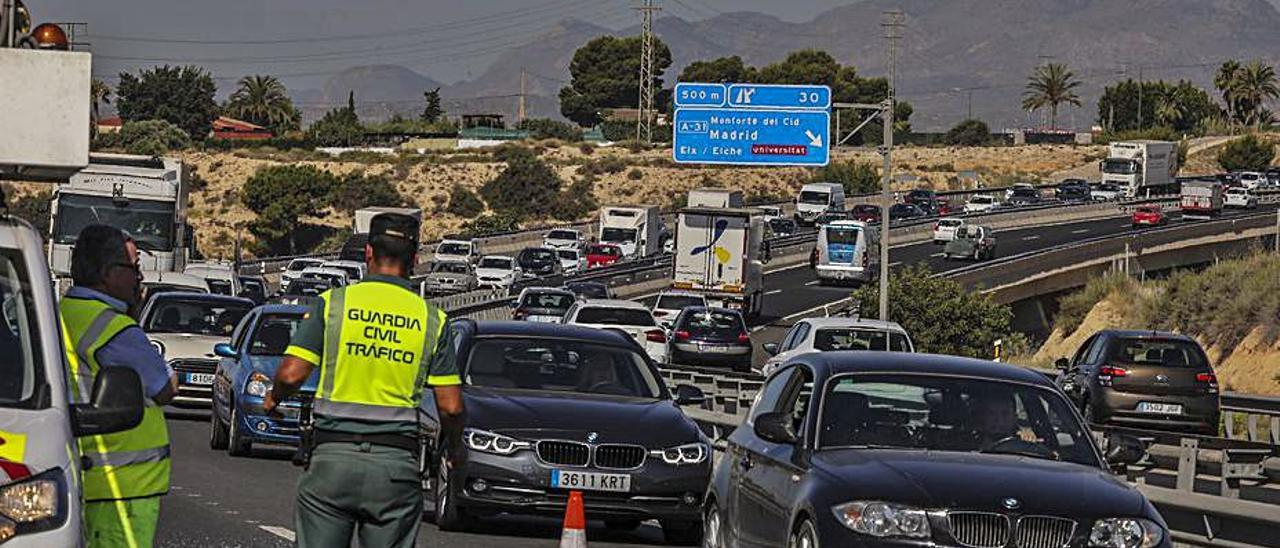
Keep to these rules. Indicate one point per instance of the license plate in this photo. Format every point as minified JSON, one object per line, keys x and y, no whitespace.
{"x":1160,"y":408}
{"x":205,"y":379}
{"x":544,"y":319}
{"x":590,"y":481}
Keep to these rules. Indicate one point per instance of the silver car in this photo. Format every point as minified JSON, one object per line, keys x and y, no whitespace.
{"x":447,"y":277}
{"x":836,"y":333}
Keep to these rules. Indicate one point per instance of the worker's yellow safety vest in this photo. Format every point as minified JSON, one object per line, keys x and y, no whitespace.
{"x":378,"y":342}
{"x":129,"y":464}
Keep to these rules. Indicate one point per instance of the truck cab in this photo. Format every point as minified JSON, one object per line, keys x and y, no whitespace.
{"x":1141,"y":168}
{"x":636,"y":230}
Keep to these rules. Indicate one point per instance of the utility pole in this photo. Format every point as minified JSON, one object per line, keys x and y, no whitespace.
{"x":1140,"y":86}
{"x":520,"y":112}
{"x":970,"y":104}
{"x":9,"y":16}
{"x":892,"y":33}
{"x":644,"y":120}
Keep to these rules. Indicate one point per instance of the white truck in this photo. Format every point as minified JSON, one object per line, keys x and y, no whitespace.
{"x":715,"y":197}
{"x":635,"y":229}
{"x":719,"y":254}
{"x":1141,"y":168}
{"x":142,"y":195}
{"x":818,"y":198}
{"x":1201,"y":199}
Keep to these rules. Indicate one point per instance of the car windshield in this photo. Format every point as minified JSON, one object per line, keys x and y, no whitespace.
{"x":782,"y":225}
{"x":298,"y":265}
{"x":933,"y":413}
{"x":219,"y":286}
{"x":606,"y":250}
{"x":536,"y":257}
{"x":814,"y":197}
{"x":981,"y":200}
{"x":950,"y":223}
{"x":1026,"y":193}
{"x":494,"y":262}
{"x":453,"y":248}
{"x":307,"y":287}
{"x":194,"y":316}
{"x":22,"y":379}
{"x":1157,"y":352}
{"x":678,"y":302}
{"x":608,"y":315}
{"x":829,"y":339}
{"x":712,"y":323}
{"x":562,"y":235}
{"x":567,"y":254}
{"x":449,"y":268}
{"x":273,"y":334}
{"x":538,"y":299}
{"x":844,"y":235}
{"x":352,"y":272}
{"x":557,"y":365}
{"x":158,"y":287}
{"x":589,"y":290}
{"x":149,"y":223}
{"x":1119,"y":167}
{"x":611,"y":234}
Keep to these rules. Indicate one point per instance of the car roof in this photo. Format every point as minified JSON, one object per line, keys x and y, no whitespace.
{"x":847,"y":223}
{"x":323,"y":270}
{"x":557,"y":290}
{"x":456,"y":241}
{"x":193,"y":296}
{"x":540,"y":329}
{"x":697,"y":308}
{"x":343,"y":262}
{"x":566,"y":229}
{"x":507,"y":257}
{"x":681,"y":293}
{"x":855,"y":361}
{"x":277,"y":308}
{"x":839,"y":321}
{"x":1146,"y":334}
{"x":614,"y":303}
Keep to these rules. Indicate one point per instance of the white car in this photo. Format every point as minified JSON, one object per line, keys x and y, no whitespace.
{"x":184,"y":327}
{"x":1238,"y":196}
{"x":981,"y":203}
{"x":770,"y":212}
{"x":835,"y":333}
{"x":1105,"y":192}
{"x":945,"y":229}
{"x":563,"y":238}
{"x":156,"y":281}
{"x":496,"y":271}
{"x":629,"y":317}
{"x":221,"y":277}
{"x":457,"y":250}
{"x":572,"y":260}
{"x":335,"y":276}
{"x":1252,"y":179}
{"x":669,"y":303}
{"x":354,"y":269}
{"x":294,"y":270}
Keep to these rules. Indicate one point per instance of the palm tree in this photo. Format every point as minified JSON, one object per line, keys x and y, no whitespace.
{"x":1050,"y":86}
{"x":263,"y":100}
{"x":1171,"y":105}
{"x":1226,"y":81}
{"x":99,"y":94}
{"x":1256,"y":84}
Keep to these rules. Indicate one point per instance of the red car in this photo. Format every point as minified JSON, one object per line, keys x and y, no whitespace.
{"x":1149,"y":216}
{"x":866,"y":213}
{"x":599,"y":255}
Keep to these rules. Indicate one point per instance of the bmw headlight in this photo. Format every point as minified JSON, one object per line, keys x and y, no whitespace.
{"x":258,"y":385}
{"x":689,"y":453}
{"x":1125,"y":533}
{"x":489,"y":442}
{"x":883,"y":519}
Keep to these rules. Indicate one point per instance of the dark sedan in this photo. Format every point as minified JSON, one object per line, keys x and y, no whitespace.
{"x":590,"y":290}
{"x":711,"y":336}
{"x":905,"y":212}
{"x":245,"y":370}
{"x":539,"y":262}
{"x":1023,"y":197}
{"x":1073,"y":190}
{"x":866,"y":213}
{"x":918,"y":450}
{"x":554,"y":408}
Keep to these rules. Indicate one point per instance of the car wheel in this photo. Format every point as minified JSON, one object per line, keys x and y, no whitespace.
{"x":217,"y":432}
{"x":805,"y":536}
{"x":237,"y":444}
{"x":449,"y":517}
{"x":712,"y":528}
{"x":622,"y":524}
{"x":681,"y":533}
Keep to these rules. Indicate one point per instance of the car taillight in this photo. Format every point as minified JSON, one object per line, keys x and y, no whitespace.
{"x":659,"y":313}
{"x":936,"y":225}
{"x":744,"y":337}
{"x":1112,"y":371}
{"x":682,"y":335}
{"x":1209,"y":379}
{"x":519,"y":314}
{"x":655,"y":335}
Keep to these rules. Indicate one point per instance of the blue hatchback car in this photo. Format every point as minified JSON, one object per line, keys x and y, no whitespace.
{"x":245,"y":369}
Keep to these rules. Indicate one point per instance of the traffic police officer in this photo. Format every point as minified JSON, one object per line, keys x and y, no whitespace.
{"x":377,"y":344}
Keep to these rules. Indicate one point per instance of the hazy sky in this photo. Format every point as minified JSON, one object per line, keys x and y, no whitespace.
{"x":305,"y":39}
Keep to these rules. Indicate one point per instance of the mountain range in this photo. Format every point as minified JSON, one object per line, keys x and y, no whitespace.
{"x":950,"y":52}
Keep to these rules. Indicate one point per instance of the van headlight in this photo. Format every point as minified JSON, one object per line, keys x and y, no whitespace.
{"x":1125,"y":533}
{"x":489,"y":442}
{"x":883,"y":519}
{"x":258,"y":385}
{"x":689,"y":453}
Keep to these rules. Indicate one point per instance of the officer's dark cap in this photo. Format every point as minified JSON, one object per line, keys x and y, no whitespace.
{"x":396,"y":225}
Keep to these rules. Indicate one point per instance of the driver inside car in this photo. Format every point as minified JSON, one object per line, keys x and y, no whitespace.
{"x":597,"y":375}
{"x":994,"y":418}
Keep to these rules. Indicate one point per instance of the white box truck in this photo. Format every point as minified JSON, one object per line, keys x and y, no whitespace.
{"x":1142,"y":168}
{"x":1201,"y":199}
{"x":714,"y":197}
{"x":353,"y":249}
{"x":718,"y":253}
{"x":637,"y":230}
{"x":142,"y":195}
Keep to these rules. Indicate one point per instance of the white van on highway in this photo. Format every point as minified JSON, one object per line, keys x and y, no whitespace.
{"x":818,"y":198}
{"x":848,"y":251}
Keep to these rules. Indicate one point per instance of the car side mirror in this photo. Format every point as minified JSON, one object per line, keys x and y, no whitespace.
{"x":688,"y":394}
{"x":771,"y":348}
{"x":1062,"y":364}
{"x":1123,"y":449}
{"x":225,"y":350}
{"x":115,"y":405}
{"x":776,"y":427}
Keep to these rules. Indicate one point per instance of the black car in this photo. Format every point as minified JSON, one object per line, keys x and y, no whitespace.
{"x":552,"y":408}
{"x":905,"y":212}
{"x":1147,"y":379}
{"x":539,"y":262}
{"x":1073,"y":190}
{"x":918,"y":450}
{"x":703,"y":335}
{"x":783,"y":227}
{"x":831,"y":216}
{"x":542,"y":304}
{"x":920,"y":195}
{"x":1024,"y":197}
{"x":590,"y":290}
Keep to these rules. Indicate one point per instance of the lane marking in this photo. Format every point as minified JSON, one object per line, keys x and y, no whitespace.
{"x":895,"y":263}
{"x":772,"y":292}
{"x":1029,"y":238}
{"x":1081,"y":231}
{"x":937,"y":254}
{"x":279,"y":532}
{"x":814,"y":282}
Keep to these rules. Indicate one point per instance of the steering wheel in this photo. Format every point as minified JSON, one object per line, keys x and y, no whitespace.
{"x":1029,"y":446}
{"x":1000,"y":442}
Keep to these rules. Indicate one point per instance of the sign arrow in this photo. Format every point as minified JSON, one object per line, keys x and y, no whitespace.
{"x":814,"y":140}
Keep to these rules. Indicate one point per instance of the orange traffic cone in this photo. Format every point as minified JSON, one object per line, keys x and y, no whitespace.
{"x":575,"y":523}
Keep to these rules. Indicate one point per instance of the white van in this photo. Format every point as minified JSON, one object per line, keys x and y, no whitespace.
{"x":848,"y":251}
{"x":818,"y":198}
{"x":221,"y":277}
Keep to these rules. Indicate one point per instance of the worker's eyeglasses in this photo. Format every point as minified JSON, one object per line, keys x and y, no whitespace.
{"x":131,"y":266}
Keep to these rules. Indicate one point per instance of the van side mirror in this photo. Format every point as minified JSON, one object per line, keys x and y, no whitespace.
{"x":771,"y":348}
{"x":224,"y":350}
{"x":115,"y":405}
{"x":688,"y":394}
{"x":1062,"y":364}
{"x":776,"y":427}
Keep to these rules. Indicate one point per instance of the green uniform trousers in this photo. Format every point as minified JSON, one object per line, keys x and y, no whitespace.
{"x":121,"y":523}
{"x":369,"y":490}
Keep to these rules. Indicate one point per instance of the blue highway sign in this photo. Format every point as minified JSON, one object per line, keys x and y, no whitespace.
{"x":752,"y":137}
{"x":700,"y":95}
{"x":778,"y":96}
